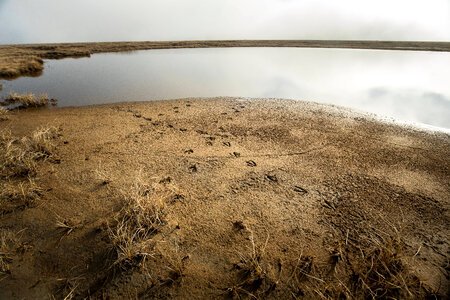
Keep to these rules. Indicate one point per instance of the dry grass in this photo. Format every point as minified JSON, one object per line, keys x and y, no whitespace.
{"x":8,"y":245}
{"x":18,"y":157}
{"x":144,"y":213}
{"x":18,"y":166}
{"x":16,"y":64}
{"x":255,"y":276}
{"x":26,"y":100}
{"x":64,"y":225}
{"x":381,"y":272}
{"x":5,"y":255}
{"x":67,"y":288}
{"x":376,"y":271}
{"x":41,"y":142}
{"x":3,"y":114}
{"x":18,"y":194}
{"x":370,"y":268}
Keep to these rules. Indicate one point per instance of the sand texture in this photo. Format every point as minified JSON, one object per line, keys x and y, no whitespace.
{"x":257,"y":193}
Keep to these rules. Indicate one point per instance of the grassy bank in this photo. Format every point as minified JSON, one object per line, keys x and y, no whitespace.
{"x":27,"y":60}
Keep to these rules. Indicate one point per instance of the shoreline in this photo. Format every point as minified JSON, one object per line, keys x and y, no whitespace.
{"x":337,"y":109}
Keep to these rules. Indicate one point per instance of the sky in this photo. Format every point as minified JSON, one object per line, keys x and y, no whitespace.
{"x":46,"y":21}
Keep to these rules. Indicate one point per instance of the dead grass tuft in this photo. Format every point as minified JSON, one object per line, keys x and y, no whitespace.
{"x":18,"y":194}
{"x":67,"y":288}
{"x":8,"y":244}
{"x":255,"y":277}
{"x":18,"y":166}
{"x":66,"y":226}
{"x":144,"y":213}
{"x":176,"y":267}
{"x":41,"y":141}
{"x":376,"y":271}
{"x":26,"y":100}
{"x":5,"y":256}
{"x":3,"y":114}
{"x":379,"y":271}
{"x":18,"y":157}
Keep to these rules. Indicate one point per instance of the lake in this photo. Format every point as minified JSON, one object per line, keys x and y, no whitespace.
{"x":406,"y":85}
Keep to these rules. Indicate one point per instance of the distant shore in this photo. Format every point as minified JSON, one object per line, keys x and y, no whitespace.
{"x":27,"y":59}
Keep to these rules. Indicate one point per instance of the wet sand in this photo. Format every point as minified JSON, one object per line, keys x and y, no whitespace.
{"x":294,"y":178}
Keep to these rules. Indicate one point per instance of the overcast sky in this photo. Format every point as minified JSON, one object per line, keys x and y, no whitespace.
{"x":33,"y":21}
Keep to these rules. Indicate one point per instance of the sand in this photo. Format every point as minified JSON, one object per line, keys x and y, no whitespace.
{"x":294,"y":178}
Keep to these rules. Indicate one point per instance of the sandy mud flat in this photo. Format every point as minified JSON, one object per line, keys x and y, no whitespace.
{"x":249,"y":198}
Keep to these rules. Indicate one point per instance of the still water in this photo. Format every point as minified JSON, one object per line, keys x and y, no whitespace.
{"x":409,"y":86}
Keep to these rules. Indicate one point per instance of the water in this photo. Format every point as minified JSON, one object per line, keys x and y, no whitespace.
{"x":409,"y":86}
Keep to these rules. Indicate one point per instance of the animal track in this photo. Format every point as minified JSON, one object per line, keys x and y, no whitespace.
{"x":300,"y":190}
{"x":189,"y":151}
{"x":236,"y":154}
{"x":272,"y":178}
{"x":193,"y":169}
{"x":251,"y":163}
{"x":227,"y":144}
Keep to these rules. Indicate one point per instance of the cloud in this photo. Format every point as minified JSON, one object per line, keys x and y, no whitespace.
{"x":29,"y":21}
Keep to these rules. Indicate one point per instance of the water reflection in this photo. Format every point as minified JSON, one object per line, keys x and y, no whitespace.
{"x":410,"y":86}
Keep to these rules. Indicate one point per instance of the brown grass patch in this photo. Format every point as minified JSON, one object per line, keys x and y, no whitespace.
{"x":375,"y":271}
{"x":26,"y":100}
{"x":18,"y":166}
{"x":3,"y":114}
{"x":6,"y":238}
{"x":144,"y":213}
{"x":9,"y":245}
{"x":256,"y":277}
{"x":18,"y":157}
{"x":18,"y":194}
{"x":14,"y":65}
{"x":65,"y":226}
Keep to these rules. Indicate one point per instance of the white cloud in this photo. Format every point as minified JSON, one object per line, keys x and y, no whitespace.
{"x":112,"y":20}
